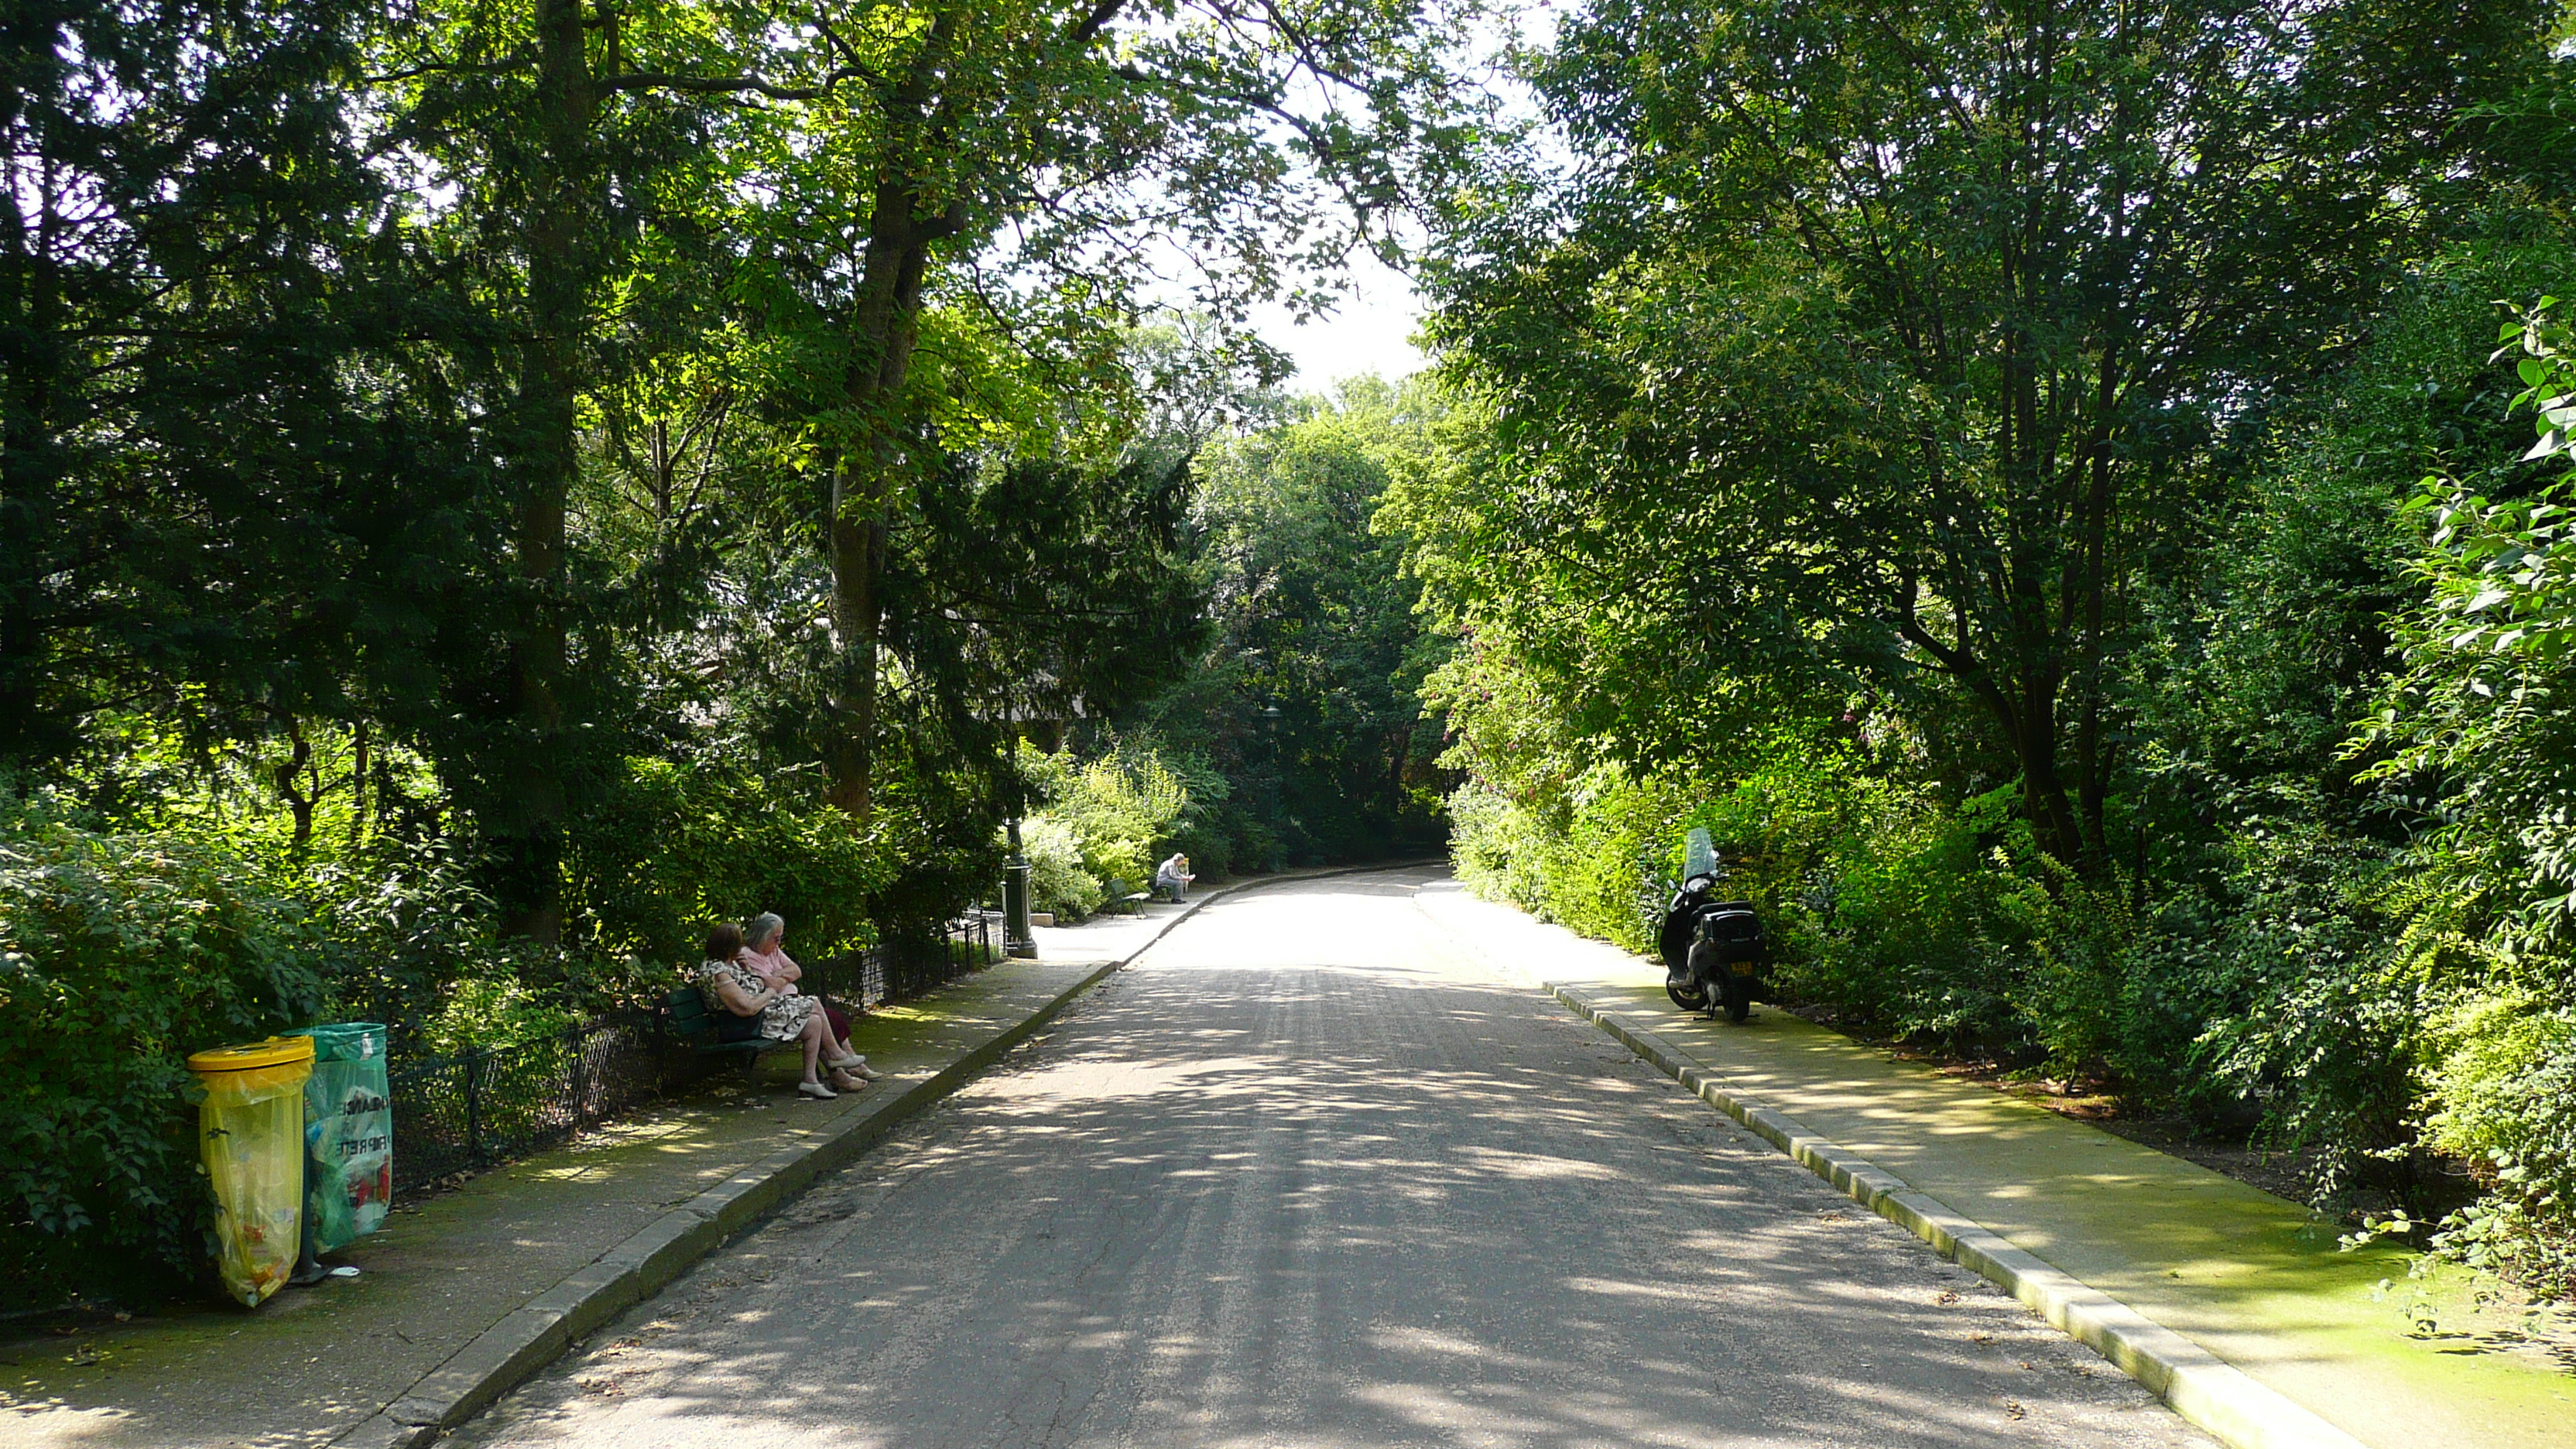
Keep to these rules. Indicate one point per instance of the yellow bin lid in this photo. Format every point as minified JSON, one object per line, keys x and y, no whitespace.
{"x":277,"y":1051}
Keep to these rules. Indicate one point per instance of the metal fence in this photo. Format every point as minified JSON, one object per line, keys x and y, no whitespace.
{"x":464,"y":1113}
{"x":459,"y":1114}
{"x":902,"y":968}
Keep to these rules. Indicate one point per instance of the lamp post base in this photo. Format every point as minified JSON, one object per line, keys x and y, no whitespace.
{"x":1018,"y":938}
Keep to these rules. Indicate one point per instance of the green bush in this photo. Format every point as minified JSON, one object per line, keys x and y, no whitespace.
{"x":1213,"y":828}
{"x":1214,"y":842}
{"x":1488,"y":839}
{"x":119,"y":955}
{"x":1602,"y":869}
{"x":1100,"y":820}
{"x":677,"y":845}
{"x":2501,"y":1079}
{"x":2289,"y":983}
{"x":1119,"y":808}
{"x":1903,"y":923}
{"x":2492,"y":1059}
{"x":1899,"y":913}
{"x":942,"y":857}
{"x":403,"y":921}
{"x":495,"y":1013}
{"x":1057,"y":880}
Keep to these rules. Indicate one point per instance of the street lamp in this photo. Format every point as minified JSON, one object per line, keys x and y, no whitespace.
{"x":1270,"y":733}
{"x":1017,"y":937}
{"x":1021,"y":719}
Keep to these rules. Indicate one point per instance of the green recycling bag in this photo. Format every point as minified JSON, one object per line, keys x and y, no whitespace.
{"x":348,"y":1133}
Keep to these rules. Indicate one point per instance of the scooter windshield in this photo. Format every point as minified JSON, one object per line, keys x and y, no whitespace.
{"x":1699,"y":854}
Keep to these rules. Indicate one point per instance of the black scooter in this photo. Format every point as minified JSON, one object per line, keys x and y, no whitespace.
{"x":1713,"y":951}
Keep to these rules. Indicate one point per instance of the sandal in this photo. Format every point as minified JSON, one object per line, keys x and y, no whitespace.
{"x":816,"y":1090}
{"x":843,"y":1081}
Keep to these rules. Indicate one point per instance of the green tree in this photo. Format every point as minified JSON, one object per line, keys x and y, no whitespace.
{"x":985,"y":194}
{"x":2477,"y":711}
{"x":235,"y":481}
{"x":1308,"y":699}
{"x":1860,"y":346}
{"x":552,"y":151}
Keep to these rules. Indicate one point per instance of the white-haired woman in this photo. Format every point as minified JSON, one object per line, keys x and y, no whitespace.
{"x":764,"y":954}
{"x":757,"y":1011}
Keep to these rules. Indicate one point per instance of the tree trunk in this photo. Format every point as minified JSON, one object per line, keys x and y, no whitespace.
{"x":2024,"y":706}
{"x":528,"y":818}
{"x":1403,"y":757}
{"x":887,"y":316}
{"x":862,"y":490}
{"x":364,"y":740}
{"x":2052,"y":816}
{"x":297,"y":801}
{"x":858,"y":553}
{"x":885,"y":324}
{"x":32,"y":359}
{"x":2092,"y":766}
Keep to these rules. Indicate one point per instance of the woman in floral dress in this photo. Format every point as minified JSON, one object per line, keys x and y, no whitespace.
{"x":733,"y":989}
{"x":765,"y":952}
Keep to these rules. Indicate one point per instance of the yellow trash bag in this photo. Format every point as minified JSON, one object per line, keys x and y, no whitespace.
{"x":251,"y":1130}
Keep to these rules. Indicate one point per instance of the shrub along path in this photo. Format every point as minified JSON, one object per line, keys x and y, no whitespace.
{"x":2252,"y":1278}
{"x":312,"y":1364}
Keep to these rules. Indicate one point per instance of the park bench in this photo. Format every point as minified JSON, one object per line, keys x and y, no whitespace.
{"x":686,"y":1018}
{"x":1124,"y":897}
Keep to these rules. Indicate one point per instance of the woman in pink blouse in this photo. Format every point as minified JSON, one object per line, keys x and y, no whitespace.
{"x":766,"y":957}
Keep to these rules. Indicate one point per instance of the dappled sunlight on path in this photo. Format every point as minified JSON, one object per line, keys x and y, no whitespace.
{"x":2252,"y":1278}
{"x":1310,"y":1174}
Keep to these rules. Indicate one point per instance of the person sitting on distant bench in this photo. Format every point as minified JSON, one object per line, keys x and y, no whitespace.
{"x":764,"y":952}
{"x":747,"y":1009}
{"x":1174,"y":875}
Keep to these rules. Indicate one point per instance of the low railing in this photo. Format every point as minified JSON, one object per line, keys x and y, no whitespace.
{"x":464,"y":1113}
{"x":901,"y":969}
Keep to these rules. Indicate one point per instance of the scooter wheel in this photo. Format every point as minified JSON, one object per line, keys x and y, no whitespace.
{"x":1739,"y":999}
{"x":1687,"y":998}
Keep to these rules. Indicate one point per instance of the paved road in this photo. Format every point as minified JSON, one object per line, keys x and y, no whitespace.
{"x":1309,"y":1175}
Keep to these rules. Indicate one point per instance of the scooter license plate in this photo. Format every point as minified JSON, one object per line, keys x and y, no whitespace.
{"x":1743,"y":968}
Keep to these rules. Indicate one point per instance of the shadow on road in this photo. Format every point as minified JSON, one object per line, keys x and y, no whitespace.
{"x":1305,"y":1176}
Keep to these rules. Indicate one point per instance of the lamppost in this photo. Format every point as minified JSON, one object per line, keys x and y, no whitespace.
{"x":1017,"y":937}
{"x":1270,"y":733}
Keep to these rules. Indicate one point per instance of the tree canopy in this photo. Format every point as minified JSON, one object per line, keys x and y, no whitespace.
{"x":1859,"y":344}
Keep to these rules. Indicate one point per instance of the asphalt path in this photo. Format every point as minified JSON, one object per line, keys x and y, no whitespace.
{"x":1309,"y":1173}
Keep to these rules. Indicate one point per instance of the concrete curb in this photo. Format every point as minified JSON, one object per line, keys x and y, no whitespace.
{"x":510,"y":1351}
{"x":2199,"y":1385}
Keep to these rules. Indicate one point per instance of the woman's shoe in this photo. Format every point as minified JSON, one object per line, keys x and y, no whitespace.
{"x":815,"y":1090}
{"x":859,"y":1068}
{"x":844,"y":1082}
{"x":847,"y":1059}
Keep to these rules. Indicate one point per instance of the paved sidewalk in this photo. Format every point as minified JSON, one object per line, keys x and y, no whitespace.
{"x":2253,"y":1279}
{"x":448,"y":1276}
{"x":1115,"y":938}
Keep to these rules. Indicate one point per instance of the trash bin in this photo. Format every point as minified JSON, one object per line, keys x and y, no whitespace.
{"x":348,"y":1134}
{"x":251,"y":1132}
